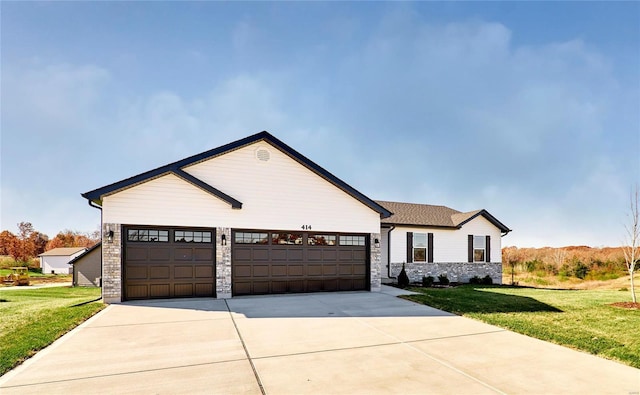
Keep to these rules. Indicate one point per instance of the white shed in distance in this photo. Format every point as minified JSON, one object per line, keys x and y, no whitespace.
{"x":56,"y":261}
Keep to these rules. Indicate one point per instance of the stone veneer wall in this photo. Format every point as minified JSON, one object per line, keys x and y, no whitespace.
{"x":112,"y":264}
{"x":376,"y":264}
{"x":455,"y":271}
{"x":223,"y":264}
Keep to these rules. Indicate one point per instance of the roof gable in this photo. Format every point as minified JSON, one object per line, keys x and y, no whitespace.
{"x":63,"y":251}
{"x":176,"y":168}
{"x":434,"y":216}
{"x":84,"y":254}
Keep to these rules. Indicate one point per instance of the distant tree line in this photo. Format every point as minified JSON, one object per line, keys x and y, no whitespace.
{"x":574,"y":261}
{"x":28,"y":243}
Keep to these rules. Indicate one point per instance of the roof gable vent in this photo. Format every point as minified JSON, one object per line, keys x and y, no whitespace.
{"x":263,"y":155}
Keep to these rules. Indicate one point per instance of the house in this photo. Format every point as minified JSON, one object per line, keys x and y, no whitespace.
{"x":87,"y":267}
{"x":56,"y":261}
{"x":250,"y":217}
{"x":437,"y":240}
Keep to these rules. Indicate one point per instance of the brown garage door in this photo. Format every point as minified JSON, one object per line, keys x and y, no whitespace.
{"x":266,"y":262}
{"x":162,"y":262}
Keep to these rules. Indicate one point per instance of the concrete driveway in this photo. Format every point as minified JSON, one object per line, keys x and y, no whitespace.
{"x":329,"y":343}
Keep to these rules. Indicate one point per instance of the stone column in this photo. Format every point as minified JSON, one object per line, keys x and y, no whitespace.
{"x":112,"y":264}
{"x":223,"y":263}
{"x":376,"y":263}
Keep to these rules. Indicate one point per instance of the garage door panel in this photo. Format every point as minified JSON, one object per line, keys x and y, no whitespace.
{"x":359,"y":270}
{"x":242,"y":255}
{"x":242,"y":287}
{"x":183,"y":290}
{"x":204,"y":271}
{"x":329,"y":255}
{"x":159,"y":272}
{"x":203,"y":255}
{"x":156,"y":266}
{"x":159,"y":254}
{"x":260,"y":255}
{"x":183,"y":272}
{"x":329,"y":270}
{"x":242,"y":271}
{"x":278,"y":254}
{"x":159,"y":290}
{"x":279,"y":270}
{"x":345,"y":269}
{"x":297,"y":286}
{"x":296,"y":270}
{"x":314,"y":270}
{"x":137,"y":254}
{"x":205,"y":289}
{"x":279,"y":286}
{"x":136,"y":272}
{"x":314,"y":255}
{"x":261,"y":270}
{"x":183,"y":254}
{"x":315,"y":285}
{"x":345,"y":255}
{"x":295,"y":254}
{"x":330,"y":285}
{"x":261,"y":287}
{"x":359,"y":255}
{"x":137,"y":292}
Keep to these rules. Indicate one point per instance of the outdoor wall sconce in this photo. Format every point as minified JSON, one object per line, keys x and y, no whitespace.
{"x":376,"y":243}
{"x":223,"y":240}
{"x":110,"y":236}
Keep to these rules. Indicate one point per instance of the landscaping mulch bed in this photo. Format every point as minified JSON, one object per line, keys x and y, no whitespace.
{"x":627,"y":305}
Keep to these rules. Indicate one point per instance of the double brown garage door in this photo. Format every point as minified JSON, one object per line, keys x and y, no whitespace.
{"x":162,"y":262}
{"x":267,"y":262}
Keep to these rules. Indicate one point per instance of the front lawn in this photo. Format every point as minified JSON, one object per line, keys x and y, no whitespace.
{"x":580,"y":319}
{"x":31,"y":319}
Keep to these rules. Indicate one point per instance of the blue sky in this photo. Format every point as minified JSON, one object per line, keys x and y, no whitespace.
{"x":530,"y":110}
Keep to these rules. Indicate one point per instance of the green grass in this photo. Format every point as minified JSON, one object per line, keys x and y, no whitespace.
{"x":578,"y":319}
{"x":31,"y":319}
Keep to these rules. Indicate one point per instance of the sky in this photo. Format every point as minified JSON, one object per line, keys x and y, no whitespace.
{"x":530,"y":110}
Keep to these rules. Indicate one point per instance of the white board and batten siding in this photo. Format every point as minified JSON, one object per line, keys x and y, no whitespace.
{"x":449,"y":245}
{"x":278,"y":193}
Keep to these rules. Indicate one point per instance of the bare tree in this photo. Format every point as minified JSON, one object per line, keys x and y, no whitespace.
{"x":631,"y":247}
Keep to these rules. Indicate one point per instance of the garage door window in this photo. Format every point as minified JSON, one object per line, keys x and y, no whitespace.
{"x":251,"y":238}
{"x":286,"y":238}
{"x":189,"y":236}
{"x":349,"y":240}
{"x":148,"y":235}
{"x":321,"y":240}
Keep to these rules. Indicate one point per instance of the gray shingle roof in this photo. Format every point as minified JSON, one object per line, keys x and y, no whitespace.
{"x":430,"y":215}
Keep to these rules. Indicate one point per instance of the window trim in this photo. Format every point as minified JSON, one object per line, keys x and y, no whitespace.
{"x":425,"y":248}
{"x":483,"y":248}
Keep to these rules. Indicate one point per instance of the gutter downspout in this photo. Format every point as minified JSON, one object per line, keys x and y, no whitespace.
{"x":389,"y":251}
{"x":94,"y":205}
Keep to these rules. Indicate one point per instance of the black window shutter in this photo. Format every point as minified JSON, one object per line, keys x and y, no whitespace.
{"x":488,"y":252}
{"x":409,"y":247}
{"x":430,"y":247}
{"x":470,"y":254}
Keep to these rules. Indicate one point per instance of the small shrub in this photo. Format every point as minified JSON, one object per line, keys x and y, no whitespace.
{"x":475,"y":280}
{"x":580,"y":270}
{"x":427,"y":281}
{"x":443,"y":279}
{"x":403,"y":279}
{"x":487,"y":280}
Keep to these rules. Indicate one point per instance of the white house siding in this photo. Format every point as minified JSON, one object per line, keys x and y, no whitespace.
{"x":450,"y":245}
{"x":384,"y":252}
{"x":450,"y":251}
{"x":282,"y":194}
{"x":167,"y":200}
{"x":57,"y":264}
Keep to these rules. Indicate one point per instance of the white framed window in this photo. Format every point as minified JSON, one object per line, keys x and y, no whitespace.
{"x":419,"y":247}
{"x":479,"y":248}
